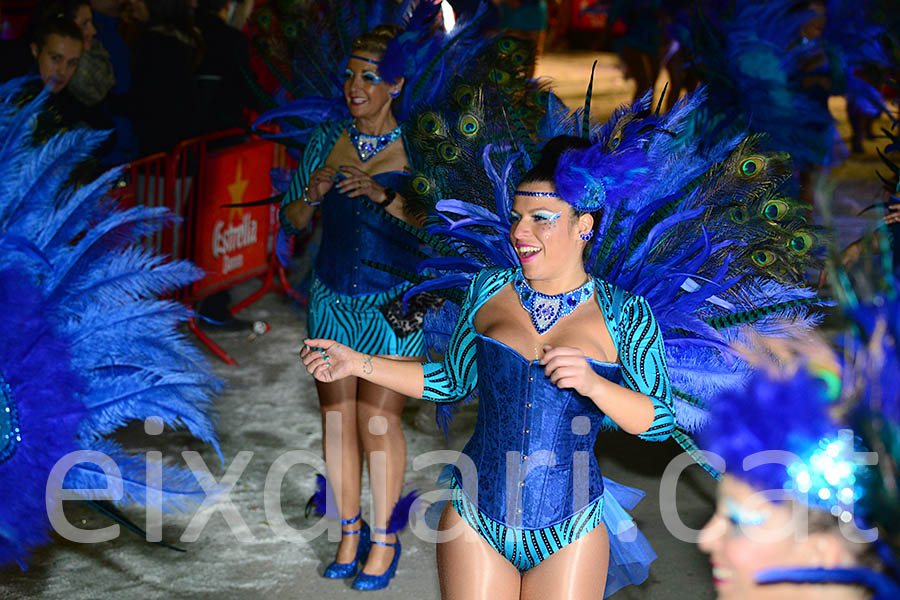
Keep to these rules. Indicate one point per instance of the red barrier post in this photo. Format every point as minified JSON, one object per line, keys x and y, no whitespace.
{"x":231,"y":244}
{"x":142,"y":184}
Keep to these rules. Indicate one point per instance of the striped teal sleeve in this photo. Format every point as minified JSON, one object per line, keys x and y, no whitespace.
{"x":314,"y":156}
{"x":643,"y":360}
{"x":455,"y":376}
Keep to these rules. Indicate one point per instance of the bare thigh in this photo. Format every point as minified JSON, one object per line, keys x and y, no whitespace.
{"x":575,"y":572}
{"x":469,"y":568}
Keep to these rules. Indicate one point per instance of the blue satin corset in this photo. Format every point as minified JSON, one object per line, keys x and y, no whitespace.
{"x":351,"y":232}
{"x":533,"y":445}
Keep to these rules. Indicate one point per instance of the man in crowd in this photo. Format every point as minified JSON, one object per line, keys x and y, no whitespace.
{"x":57,"y":46}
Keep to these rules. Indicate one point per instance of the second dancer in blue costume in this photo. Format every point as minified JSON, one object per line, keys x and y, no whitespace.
{"x":347,"y":163}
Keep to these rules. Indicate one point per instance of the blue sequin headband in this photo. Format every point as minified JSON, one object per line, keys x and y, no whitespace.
{"x":592,"y":200}
{"x":368,"y":60}
{"x":537,"y":194}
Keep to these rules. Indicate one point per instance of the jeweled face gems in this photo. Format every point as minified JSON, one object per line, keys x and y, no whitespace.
{"x":546,"y":310}
{"x":548,"y":220}
{"x":10,"y":434}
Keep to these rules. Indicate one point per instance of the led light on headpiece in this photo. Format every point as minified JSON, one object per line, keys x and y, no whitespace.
{"x":828,"y":476}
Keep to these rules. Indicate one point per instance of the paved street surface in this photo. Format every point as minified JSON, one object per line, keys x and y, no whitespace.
{"x":270,"y":408}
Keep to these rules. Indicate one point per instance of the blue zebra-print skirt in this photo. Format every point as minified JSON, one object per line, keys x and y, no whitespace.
{"x":630,"y":554}
{"x":357,"y":322}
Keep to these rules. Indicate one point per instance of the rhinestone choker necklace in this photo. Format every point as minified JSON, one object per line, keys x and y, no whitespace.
{"x":368,"y":146}
{"x":546,"y":310}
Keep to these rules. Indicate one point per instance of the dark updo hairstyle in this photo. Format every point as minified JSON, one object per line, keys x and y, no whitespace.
{"x":545,"y":169}
{"x":376,"y":40}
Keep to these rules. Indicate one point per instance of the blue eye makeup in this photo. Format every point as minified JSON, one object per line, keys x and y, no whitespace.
{"x":546,"y":215}
{"x":514,"y":217}
{"x":348,"y":74}
{"x":740,"y":516}
{"x":371,"y":77}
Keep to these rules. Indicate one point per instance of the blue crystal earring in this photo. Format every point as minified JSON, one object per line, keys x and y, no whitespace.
{"x":394,"y":94}
{"x":587,"y":236}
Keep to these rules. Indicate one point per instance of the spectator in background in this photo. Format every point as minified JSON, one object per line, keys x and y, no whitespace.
{"x":222,"y":75}
{"x":164,"y":88}
{"x":106,"y":19}
{"x":133,"y":19}
{"x":94,"y":77}
{"x":56,"y":48}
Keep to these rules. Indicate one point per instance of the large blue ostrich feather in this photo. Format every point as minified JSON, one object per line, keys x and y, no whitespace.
{"x":89,"y":347}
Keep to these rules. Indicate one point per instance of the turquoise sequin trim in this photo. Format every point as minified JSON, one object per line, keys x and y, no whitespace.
{"x":10,"y":434}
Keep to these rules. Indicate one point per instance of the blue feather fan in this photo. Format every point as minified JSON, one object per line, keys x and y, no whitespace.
{"x":89,"y":347}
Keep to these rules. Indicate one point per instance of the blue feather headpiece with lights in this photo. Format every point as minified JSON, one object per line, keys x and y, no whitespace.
{"x":833,"y":421}
{"x":820,"y":472}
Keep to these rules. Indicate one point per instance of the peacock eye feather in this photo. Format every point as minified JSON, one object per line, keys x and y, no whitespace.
{"x":775,"y":210}
{"x":291,"y":31}
{"x":738,"y":215}
{"x":614,"y":143}
{"x":801,"y":243}
{"x":448,"y":151}
{"x":468,"y":125}
{"x":519,"y":57}
{"x":421,"y":185}
{"x":763,"y":258}
{"x":750,"y":167}
{"x":464,"y":96}
{"x":498,"y":76}
{"x":264,"y":19}
{"x":429,"y":123}
{"x":507,"y":45}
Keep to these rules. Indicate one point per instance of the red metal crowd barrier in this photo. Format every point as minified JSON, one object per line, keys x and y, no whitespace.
{"x":231,"y":244}
{"x":143,"y":184}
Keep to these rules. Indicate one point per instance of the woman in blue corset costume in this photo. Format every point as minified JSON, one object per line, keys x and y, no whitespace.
{"x":346,"y":164}
{"x":553,"y":352}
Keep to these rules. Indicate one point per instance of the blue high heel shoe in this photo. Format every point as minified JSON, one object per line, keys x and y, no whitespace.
{"x":366,"y":582}
{"x":338,"y":570}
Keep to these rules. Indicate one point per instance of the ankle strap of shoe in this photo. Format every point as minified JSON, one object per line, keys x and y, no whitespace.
{"x":353,"y":520}
{"x":383,"y":532}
